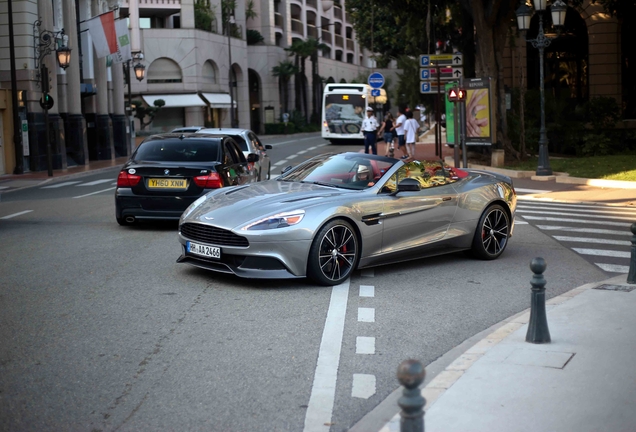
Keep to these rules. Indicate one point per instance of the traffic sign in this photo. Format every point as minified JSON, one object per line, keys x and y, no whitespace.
{"x":375,"y":92}
{"x":452,"y":94}
{"x":376,"y":80}
{"x":445,"y":73}
{"x":431,"y":87}
{"x":427,"y":60}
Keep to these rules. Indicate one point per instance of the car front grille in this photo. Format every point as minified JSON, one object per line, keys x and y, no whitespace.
{"x":213,"y":235}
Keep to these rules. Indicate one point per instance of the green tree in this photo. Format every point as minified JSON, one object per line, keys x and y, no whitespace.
{"x":203,"y":15}
{"x":300,"y":50}
{"x":313,"y":47}
{"x":284,"y":71}
{"x":141,"y":111}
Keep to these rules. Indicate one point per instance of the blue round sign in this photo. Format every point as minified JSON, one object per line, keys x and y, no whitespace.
{"x":376,"y":80}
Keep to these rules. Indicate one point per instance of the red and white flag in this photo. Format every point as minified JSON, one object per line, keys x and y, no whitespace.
{"x":110,"y":37}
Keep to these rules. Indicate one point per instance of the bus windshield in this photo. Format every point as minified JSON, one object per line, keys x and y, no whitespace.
{"x":344,"y":113}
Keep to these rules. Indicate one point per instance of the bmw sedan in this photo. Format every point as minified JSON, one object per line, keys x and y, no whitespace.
{"x":338,"y":212}
{"x":249,"y":143}
{"x":169,"y":172}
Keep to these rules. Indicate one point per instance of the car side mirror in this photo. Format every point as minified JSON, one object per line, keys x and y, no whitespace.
{"x":268,"y":147}
{"x":409,"y":185}
{"x":287,"y":168}
{"x":252,"y":157}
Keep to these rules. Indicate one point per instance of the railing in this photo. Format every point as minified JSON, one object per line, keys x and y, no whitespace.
{"x":337,"y":12}
{"x":278,"y":20}
{"x":170,"y":4}
{"x":312,"y":31}
{"x":339,"y":41}
{"x":312,"y":3}
{"x":326,"y":36}
{"x":297,"y":26}
{"x":350,"y":46}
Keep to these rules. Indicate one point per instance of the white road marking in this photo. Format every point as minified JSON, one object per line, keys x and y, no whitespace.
{"x":592,"y":240}
{"x":293,"y":141}
{"x":16,"y":214}
{"x":613,"y":268}
{"x":518,"y":222}
{"x":312,"y":148}
{"x":367,"y":273}
{"x":323,"y":390}
{"x":523,"y":212}
{"x":292,"y":156}
{"x":602,"y":252}
{"x":603,"y":210}
{"x":4,"y":187}
{"x":302,"y":152}
{"x":93,"y":183}
{"x":522,"y":190}
{"x":363,"y":386}
{"x":583,"y":230}
{"x":569,"y":206}
{"x":553,"y":219}
{"x":94,"y":193}
{"x":365,"y":345}
{"x":367,"y":290}
{"x":59,"y":185}
{"x":280,"y":162}
{"x":366,"y":314}
{"x":113,"y":183}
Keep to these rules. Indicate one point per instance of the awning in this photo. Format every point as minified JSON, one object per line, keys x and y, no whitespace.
{"x":218,"y":100}
{"x":176,"y":100}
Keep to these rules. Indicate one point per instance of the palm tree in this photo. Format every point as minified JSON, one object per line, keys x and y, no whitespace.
{"x":284,"y":71}
{"x":300,"y":50}
{"x":314,"y":46}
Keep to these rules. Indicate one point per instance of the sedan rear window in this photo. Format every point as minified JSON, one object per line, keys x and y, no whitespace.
{"x":182,"y":150}
{"x":240,"y":141}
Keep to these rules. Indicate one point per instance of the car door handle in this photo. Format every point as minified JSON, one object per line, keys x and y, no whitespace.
{"x":447,"y":198}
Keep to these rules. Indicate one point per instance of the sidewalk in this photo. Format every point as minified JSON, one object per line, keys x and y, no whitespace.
{"x":584,"y":380}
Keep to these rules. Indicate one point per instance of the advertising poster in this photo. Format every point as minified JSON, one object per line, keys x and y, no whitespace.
{"x":478,"y":111}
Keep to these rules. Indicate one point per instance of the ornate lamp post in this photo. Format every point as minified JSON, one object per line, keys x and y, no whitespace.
{"x":140,"y":73}
{"x":524,"y":13}
{"x":230,"y":21}
{"x":45,"y":44}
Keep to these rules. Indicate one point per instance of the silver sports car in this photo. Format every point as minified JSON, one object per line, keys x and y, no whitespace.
{"x":338,"y":212}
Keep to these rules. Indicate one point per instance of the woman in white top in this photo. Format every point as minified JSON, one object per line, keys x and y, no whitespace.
{"x":411,"y":126}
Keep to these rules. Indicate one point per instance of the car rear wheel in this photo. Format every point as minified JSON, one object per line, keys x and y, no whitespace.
{"x":333,"y":254}
{"x":491,"y":235}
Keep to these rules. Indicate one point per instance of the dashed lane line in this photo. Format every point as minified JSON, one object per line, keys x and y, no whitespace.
{"x":58,"y":185}
{"x":522,"y":190}
{"x":363,"y":386}
{"x":93,"y":183}
{"x":365,"y":345}
{"x":367,"y":291}
{"x":16,"y":214}
{"x":95,"y":193}
{"x":366,"y":315}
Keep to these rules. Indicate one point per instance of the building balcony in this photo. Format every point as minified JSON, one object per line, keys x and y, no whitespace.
{"x":312,"y":3}
{"x":297,"y":26}
{"x":337,"y":13}
{"x":339,"y":41}
{"x":278,"y":20}
{"x":326,"y":36}
{"x":312,"y":31}
{"x":350,"y":45}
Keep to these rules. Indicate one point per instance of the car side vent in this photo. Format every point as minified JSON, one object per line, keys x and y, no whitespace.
{"x":212,"y":235}
{"x":301,"y":199}
{"x":236,"y":189}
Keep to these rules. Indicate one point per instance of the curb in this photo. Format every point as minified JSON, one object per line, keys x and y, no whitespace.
{"x":434,"y":387}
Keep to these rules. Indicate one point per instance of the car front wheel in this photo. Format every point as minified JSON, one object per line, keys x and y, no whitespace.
{"x":491,"y":235}
{"x":334,"y":253}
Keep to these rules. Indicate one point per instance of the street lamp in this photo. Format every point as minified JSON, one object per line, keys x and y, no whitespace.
{"x":45,"y":44}
{"x":229,"y":53}
{"x":524,"y":13}
{"x":140,"y":73}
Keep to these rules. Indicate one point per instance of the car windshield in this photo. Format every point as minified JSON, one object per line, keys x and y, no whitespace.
{"x":346,"y":170}
{"x":178,"y":150}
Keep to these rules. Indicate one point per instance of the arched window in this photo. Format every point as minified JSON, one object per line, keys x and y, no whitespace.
{"x":164,"y":70}
{"x":209,"y":72}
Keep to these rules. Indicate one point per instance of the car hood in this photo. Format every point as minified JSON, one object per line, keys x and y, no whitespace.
{"x":232,"y":207}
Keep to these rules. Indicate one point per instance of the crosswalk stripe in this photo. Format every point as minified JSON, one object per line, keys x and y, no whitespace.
{"x":520,"y":222}
{"x":59,"y":185}
{"x":522,"y":190}
{"x":583,"y":230}
{"x":592,"y":240}
{"x":602,"y":252}
{"x":93,"y":183}
{"x":554,"y":219}
{"x":532,"y":202}
{"x":523,"y":212}
{"x":617,"y":211}
{"x":16,"y":214}
{"x":613,"y":268}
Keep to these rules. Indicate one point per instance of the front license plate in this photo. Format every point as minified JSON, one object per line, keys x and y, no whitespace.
{"x":156,"y":183}
{"x":203,"y":250}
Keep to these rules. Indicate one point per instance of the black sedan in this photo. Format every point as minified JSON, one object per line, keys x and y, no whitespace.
{"x":169,"y":172}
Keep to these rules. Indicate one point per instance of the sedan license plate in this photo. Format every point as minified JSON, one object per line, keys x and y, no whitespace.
{"x":158,"y":183}
{"x":203,"y":250}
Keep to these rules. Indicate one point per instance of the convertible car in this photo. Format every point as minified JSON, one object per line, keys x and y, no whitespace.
{"x":338,"y":212}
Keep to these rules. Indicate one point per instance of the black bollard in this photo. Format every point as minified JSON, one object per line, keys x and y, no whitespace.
{"x":411,"y":374}
{"x":538,"y":331}
{"x":631,"y":276}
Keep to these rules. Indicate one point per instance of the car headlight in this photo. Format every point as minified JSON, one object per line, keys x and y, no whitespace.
{"x":280,"y":220}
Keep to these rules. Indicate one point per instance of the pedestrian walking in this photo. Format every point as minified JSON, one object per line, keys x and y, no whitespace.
{"x":369,"y":127}
{"x":388,"y":133}
{"x":411,"y":127}
{"x":399,"y":130}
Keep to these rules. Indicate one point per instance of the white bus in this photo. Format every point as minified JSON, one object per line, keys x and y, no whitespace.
{"x":344,"y":107}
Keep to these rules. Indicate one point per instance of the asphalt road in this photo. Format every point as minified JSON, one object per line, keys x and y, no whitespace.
{"x":101,"y":330}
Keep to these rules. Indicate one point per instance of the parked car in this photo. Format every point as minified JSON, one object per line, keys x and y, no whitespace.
{"x":187,"y":129}
{"x":168,"y":172}
{"x":338,"y":212}
{"x":249,"y":143}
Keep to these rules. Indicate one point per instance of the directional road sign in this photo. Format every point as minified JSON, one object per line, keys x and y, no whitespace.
{"x":445,"y":73}
{"x":376,"y":80}
{"x":375,"y":92}
{"x":431,"y":87}
{"x":441,"y":60}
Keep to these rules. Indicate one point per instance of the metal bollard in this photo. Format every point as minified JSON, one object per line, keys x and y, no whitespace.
{"x":411,"y":374}
{"x":538,"y":331}
{"x":631,"y":276}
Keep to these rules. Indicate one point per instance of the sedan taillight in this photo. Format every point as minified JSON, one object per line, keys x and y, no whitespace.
{"x":210,"y":181}
{"x":127,"y":180}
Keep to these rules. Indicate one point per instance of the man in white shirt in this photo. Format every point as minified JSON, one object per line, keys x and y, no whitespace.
{"x":369,"y":126}
{"x":399,"y":129}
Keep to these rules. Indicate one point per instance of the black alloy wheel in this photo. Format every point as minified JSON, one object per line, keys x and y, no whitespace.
{"x":333,"y":254}
{"x":491,"y":235}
